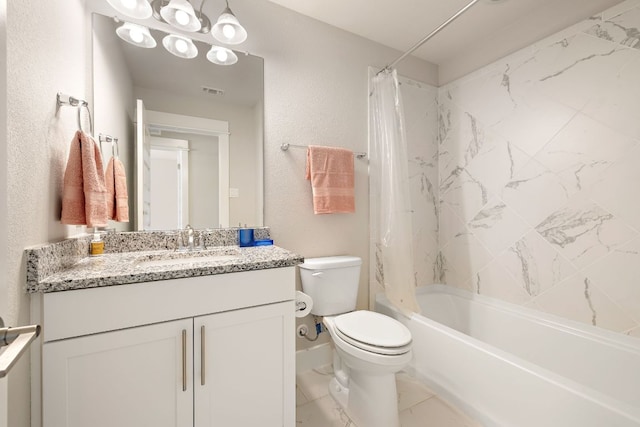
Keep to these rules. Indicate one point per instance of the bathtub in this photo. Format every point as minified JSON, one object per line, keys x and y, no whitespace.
{"x":510,"y":366}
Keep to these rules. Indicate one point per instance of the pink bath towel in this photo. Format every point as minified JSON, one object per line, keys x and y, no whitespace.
{"x":84,"y":192}
{"x":117,"y":198}
{"x":330,"y":171}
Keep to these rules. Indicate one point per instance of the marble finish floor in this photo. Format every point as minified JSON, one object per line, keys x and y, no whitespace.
{"x":418,"y":406}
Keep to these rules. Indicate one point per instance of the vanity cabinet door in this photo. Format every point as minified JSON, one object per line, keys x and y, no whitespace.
{"x":244,"y":370}
{"x":134,"y":377}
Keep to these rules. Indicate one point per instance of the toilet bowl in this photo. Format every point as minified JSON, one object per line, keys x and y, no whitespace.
{"x":369,"y":347}
{"x":365,"y":366}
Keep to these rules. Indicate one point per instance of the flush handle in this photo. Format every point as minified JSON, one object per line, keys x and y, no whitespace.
{"x":317,"y":274}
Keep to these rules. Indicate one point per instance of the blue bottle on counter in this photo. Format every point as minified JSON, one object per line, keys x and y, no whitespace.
{"x":245,"y":237}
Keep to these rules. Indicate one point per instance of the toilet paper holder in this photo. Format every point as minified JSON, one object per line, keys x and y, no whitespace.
{"x":304,"y":304}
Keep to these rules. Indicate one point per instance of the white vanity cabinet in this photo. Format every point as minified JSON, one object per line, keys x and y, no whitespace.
{"x":130,"y":377}
{"x":204,"y":351}
{"x":239,"y":371}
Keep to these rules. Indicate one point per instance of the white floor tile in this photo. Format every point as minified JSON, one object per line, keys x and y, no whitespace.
{"x":314,"y":384}
{"x":410,"y":391}
{"x":418,"y":406}
{"x":434,"y":412}
{"x":323,"y":412}
{"x":301,"y":399}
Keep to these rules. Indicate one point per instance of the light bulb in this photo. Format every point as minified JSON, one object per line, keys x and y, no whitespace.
{"x":129,"y":4}
{"x":182,"y":17}
{"x":181,"y":46}
{"x":229,"y":31}
{"x":222,"y":55}
{"x":136,"y":35}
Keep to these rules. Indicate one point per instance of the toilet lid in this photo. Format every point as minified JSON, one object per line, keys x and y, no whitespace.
{"x":374,"y":332}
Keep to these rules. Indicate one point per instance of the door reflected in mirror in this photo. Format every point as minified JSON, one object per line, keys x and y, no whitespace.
{"x":169,"y":194}
{"x":190,"y":185}
{"x":197,"y":91}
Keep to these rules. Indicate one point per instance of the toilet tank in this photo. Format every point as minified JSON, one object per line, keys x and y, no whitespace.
{"x":332,"y":283}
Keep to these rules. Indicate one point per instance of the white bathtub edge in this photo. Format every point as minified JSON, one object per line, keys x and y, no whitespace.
{"x":611,"y":338}
{"x":567,"y":325}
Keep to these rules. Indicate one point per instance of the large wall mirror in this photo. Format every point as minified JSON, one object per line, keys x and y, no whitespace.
{"x":190,"y":132}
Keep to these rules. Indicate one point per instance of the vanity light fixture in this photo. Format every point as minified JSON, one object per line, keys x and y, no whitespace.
{"x":137,"y":35}
{"x":228,"y":29}
{"x":180,"y":46}
{"x":222,"y":56}
{"x":140,"y":9}
{"x":181,"y":15}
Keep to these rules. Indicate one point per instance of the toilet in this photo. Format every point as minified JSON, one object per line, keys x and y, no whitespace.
{"x":369,"y":347}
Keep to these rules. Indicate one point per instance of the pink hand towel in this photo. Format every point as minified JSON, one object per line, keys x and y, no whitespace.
{"x":330,"y":171}
{"x":117,"y":198}
{"x":83,"y":194}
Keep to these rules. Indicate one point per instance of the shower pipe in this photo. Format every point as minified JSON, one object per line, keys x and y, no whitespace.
{"x":429,"y":36}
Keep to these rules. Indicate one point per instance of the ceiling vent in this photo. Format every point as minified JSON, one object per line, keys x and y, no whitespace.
{"x":212,"y":91}
{"x":154,"y":131}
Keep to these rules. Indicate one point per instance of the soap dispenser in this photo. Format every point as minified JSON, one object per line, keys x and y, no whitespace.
{"x":97,"y":244}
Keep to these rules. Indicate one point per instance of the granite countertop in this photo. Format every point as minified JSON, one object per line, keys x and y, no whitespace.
{"x":145,"y":266}
{"x":146,"y":256}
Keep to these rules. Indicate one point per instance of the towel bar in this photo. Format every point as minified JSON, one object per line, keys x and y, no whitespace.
{"x":285,"y":146}
{"x":17,"y":340}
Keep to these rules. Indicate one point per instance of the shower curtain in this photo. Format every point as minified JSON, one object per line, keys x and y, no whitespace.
{"x":389,"y":174}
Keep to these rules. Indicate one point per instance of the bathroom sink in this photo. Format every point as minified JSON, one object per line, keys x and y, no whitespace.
{"x":184,"y":258}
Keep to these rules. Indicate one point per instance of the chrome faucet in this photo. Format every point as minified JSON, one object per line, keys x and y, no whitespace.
{"x":190,"y":240}
{"x":188,"y":244}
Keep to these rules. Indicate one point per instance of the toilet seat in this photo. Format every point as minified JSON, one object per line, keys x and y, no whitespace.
{"x":373,"y":332}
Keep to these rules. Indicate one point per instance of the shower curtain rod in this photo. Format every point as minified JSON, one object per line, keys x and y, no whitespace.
{"x":429,"y":36}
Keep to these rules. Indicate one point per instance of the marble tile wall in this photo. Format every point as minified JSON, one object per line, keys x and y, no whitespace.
{"x":421,"y":115}
{"x":539,"y":175}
